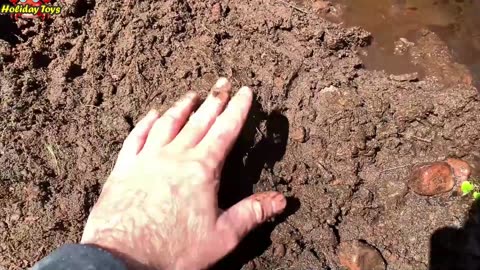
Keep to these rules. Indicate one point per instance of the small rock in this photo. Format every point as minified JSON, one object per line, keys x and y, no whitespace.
{"x":431,"y":179}
{"x":402,"y":46}
{"x":279,"y":251}
{"x":299,"y":135}
{"x":410,"y":77}
{"x":249,"y":266}
{"x":329,"y":89}
{"x":407,"y":42}
{"x":278,"y":82}
{"x":461,"y":169}
{"x":357,"y":255}
{"x":216,"y":12}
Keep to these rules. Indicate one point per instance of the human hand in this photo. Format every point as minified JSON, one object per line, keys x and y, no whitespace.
{"x":159,"y":209}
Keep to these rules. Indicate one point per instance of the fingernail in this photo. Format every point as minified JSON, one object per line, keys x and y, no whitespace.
{"x":257,"y":208}
{"x":152,"y":113}
{"x":221,"y":89}
{"x":221,"y":82}
{"x":245,"y":90}
{"x":279,"y":203}
{"x":190,"y":95}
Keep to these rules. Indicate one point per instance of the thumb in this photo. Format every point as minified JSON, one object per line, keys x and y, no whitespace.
{"x":235,"y":223}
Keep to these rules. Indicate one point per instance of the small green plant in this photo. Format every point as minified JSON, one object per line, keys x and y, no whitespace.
{"x":468,"y":187}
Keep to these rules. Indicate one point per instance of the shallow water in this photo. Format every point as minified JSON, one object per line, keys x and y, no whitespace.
{"x":457,"y":22}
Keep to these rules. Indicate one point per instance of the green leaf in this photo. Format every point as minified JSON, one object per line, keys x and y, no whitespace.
{"x":467,"y":187}
{"x":476,"y":195}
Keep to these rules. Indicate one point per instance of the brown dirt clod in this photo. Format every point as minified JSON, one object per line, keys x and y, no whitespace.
{"x":461,"y":169}
{"x":358,"y":255}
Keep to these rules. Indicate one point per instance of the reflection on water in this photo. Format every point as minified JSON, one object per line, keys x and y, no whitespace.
{"x":457,"y":22}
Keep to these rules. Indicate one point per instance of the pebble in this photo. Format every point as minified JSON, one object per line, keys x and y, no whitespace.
{"x":249,"y":266}
{"x":299,"y":135}
{"x":357,"y":255}
{"x":461,"y":169}
{"x":407,"y":42}
{"x":216,"y":12}
{"x":431,"y":179}
{"x":279,"y":251}
{"x":330,"y":89}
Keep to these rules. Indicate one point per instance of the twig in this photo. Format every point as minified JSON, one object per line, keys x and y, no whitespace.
{"x":91,"y":106}
{"x":206,"y":28}
{"x":422,"y":139}
{"x":54,"y":157}
{"x":293,"y":6}
{"x":261,"y":133}
{"x":396,"y":168}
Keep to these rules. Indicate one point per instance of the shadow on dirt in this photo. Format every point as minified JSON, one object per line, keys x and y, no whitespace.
{"x":457,"y":248}
{"x":261,"y":144}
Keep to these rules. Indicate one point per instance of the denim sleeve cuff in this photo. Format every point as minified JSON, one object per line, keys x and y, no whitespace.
{"x":79,"y":257}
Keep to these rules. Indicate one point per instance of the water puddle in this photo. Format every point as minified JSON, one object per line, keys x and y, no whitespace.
{"x":397,"y":25}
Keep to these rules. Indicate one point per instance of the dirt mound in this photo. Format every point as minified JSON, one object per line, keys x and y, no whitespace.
{"x":337,"y":139}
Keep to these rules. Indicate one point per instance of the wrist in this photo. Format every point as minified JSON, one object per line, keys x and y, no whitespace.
{"x":120,"y":250}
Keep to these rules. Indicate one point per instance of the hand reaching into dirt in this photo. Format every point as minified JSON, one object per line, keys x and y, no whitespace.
{"x":158,"y":209}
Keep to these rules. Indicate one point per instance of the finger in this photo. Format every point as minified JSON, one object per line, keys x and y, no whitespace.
{"x":201,"y":121}
{"x":235,"y":223}
{"x":224,"y":132}
{"x":167,"y":127}
{"x":135,"y":141}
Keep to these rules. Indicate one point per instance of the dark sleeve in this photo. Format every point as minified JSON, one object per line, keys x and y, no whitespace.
{"x":79,"y":257}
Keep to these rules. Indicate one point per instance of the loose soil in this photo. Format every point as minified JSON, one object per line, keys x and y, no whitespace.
{"x":338,"y":140}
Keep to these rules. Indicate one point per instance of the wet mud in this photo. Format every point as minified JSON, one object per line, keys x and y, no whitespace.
{"x":399,"y":27}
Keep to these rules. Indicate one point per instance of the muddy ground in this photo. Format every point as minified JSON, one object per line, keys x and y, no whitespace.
{"x":339,"y":140}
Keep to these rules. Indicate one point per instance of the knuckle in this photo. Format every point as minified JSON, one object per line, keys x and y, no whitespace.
{"x":258,"y":211}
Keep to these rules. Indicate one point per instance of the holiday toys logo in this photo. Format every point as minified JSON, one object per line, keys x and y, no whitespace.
{"x":30,"y":9}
